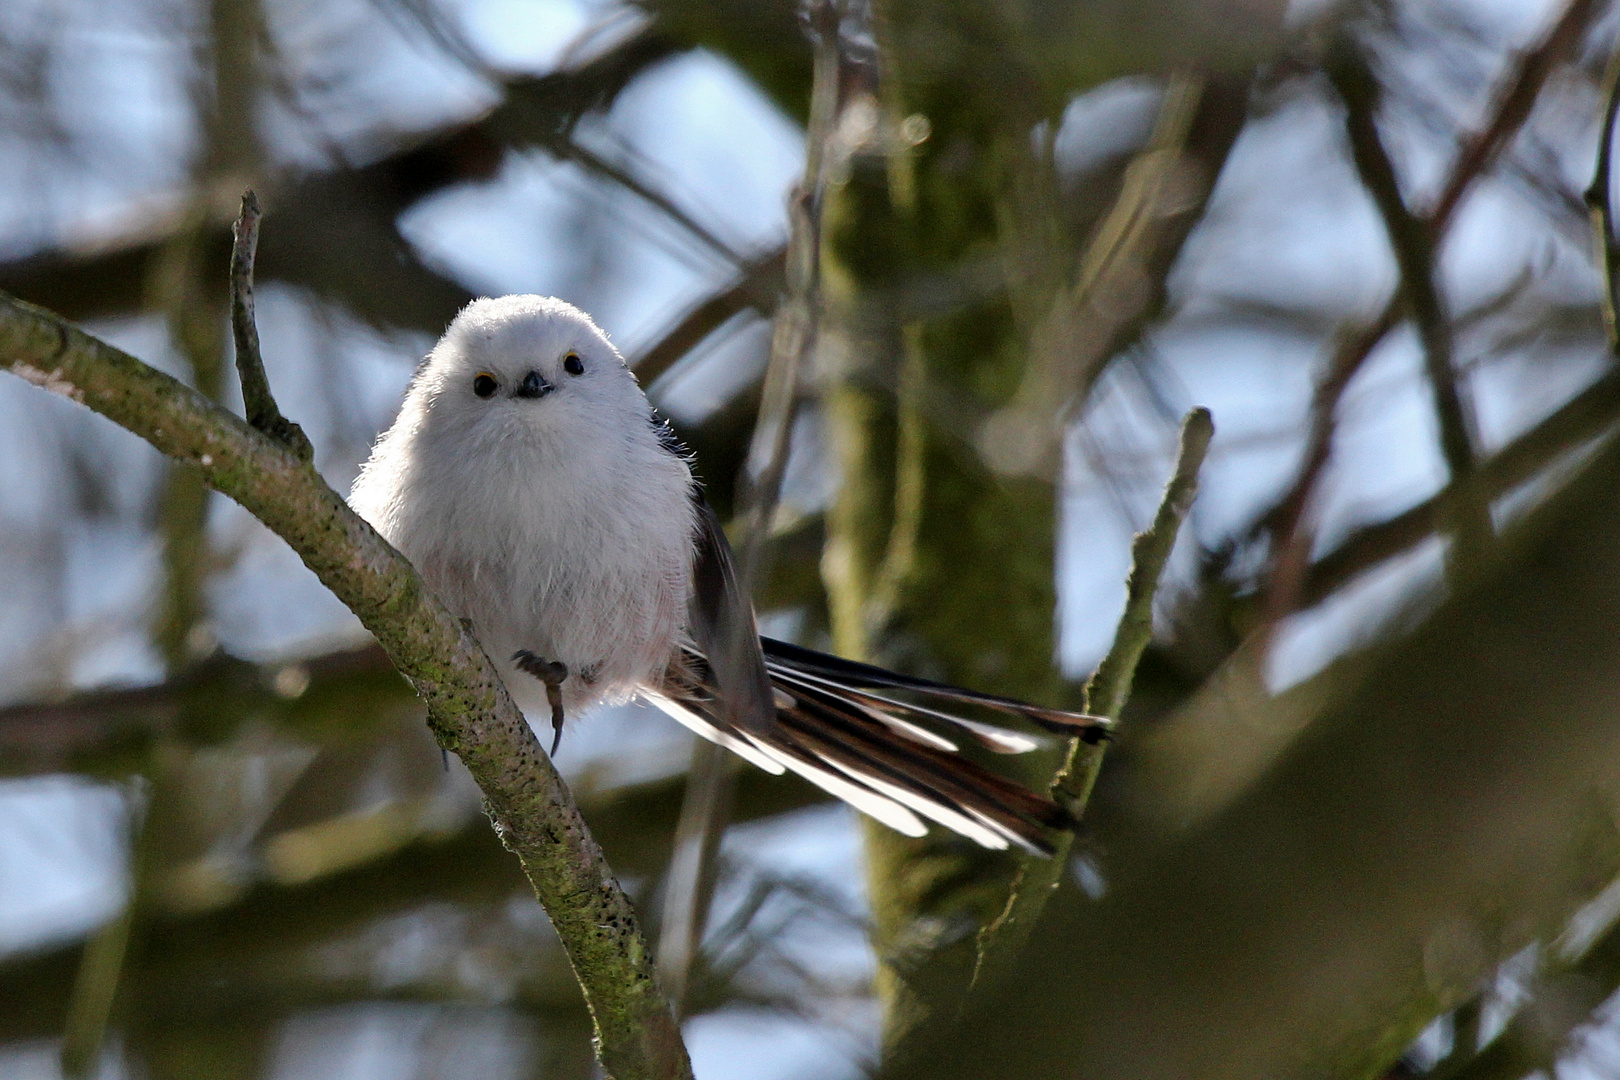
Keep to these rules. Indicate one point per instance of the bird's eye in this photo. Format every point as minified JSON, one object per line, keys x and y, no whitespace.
{"x":573,"y":364}
{"x":484,"y":384}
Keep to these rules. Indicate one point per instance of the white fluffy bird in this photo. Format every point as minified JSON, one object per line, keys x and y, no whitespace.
{"x":539,"y":495}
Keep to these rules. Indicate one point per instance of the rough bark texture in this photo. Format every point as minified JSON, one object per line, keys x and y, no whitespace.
{"x":933,"y":562}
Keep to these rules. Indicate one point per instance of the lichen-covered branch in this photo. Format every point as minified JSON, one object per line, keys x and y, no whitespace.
{"x":469,"y":709}
{"x":1002,"y":941}
{"x":1110,"y":685}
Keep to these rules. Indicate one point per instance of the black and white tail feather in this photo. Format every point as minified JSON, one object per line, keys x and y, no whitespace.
{"x":883,"y":742}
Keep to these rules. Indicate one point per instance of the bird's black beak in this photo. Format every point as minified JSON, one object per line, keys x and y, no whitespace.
{"x":533,"y":386}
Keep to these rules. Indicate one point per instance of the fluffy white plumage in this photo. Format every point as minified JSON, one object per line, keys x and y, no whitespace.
{"x":556,"y":519}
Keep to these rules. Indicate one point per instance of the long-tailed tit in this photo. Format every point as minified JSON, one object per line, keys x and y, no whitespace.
{"x":541,"y":498}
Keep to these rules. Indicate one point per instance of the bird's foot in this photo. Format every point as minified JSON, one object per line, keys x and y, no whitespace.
{"x":552,"y":673}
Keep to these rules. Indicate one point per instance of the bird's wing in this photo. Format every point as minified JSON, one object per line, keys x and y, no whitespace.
{"x":722,"y":623}
{"x":851,"y":674}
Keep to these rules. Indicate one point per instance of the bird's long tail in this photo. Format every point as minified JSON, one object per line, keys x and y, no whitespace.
{"x":887,"y":744}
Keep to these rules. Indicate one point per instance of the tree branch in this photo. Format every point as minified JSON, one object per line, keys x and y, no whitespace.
{"x":1292,"y":581}
{"x":336,"y":231}
{"x":707,"y":808}
{"x":1292,"y":534}
{"x":1562,"y":996}
{"x":1414,"y":247}
{"x":1585,"y":416}
{"x":1513,"y":105}
{"x":469,"y":708}
{"x":257,"y":401}
{"x":759,"y":287}
{"x":1120,"y":285}
{"x":1002,"y":941}
{"x":221,"y":951}
{"x":1110,"y":685}
{"x":565,"y":148}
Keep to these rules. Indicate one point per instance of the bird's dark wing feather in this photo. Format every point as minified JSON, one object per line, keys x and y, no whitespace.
{"x":952,"y":790}
{"x":853,"y":674}
{"x":722,"y":622}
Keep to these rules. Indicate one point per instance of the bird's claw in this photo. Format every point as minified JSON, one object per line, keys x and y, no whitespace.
{"x":552,"y":673}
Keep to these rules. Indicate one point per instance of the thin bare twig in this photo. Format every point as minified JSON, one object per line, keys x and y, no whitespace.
{"x":258,"y":404}
{"x":1414,"y":246}
{"x":568,"y":149}
{"x":758,"y":287}
{"x":1586,"y":416}
{"x":1513,"y":106}
{"x":1003,"y":940}
{"x":1119,"y":285}
{"x":794,"y":337}
{"x":95,"y":986}
{"x":101,"y":964}
{"x":706,"y":810}
{"x":1289,"y":524}
{"x":352,"y":210}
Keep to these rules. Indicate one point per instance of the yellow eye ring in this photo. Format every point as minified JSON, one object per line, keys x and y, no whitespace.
{"x":484,"y":384}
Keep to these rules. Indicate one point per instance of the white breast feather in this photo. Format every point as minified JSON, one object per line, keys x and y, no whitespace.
{"x":562,"y":525}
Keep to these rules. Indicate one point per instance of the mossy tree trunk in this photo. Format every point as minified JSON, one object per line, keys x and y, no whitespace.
{"x":933,"y":563}
{"x":941,"y":543}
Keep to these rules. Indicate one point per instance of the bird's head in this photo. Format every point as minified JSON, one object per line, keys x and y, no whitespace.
{"x":527,"y":365}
